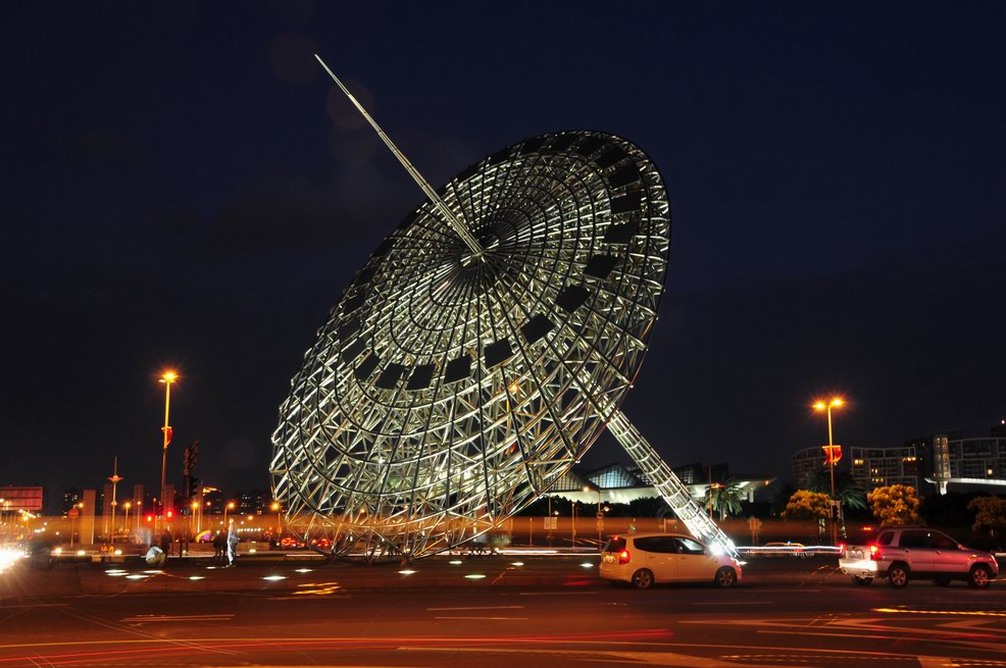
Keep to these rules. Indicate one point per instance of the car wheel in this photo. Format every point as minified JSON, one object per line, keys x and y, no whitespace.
{"x":642,"y":579}
{"x":897,"y":575}
{"x":942,"y":582}
{"x":861,"y":580}
{"x":980,"y":576}
{"x":725,"y":577}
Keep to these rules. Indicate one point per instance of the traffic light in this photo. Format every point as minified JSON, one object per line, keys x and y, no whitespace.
{"x":170,"y":514}
{"x":189,"y":458}
{"x":150,"y":518}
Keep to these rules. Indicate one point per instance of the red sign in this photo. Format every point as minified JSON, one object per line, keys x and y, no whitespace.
{"x":73,"y":513}
{"x":832,"y":453}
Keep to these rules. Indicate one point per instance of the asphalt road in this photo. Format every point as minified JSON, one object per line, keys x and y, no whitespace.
{"x":797,"y":618}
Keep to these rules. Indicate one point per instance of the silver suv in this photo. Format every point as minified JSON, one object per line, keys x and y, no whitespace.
{"x":916,"y":553}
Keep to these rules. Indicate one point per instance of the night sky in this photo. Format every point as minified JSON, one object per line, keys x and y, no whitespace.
{"x":183,"y":186}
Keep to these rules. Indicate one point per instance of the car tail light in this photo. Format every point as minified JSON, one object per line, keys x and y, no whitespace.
{"x":841,"y":547}
{"x":623,"y":557}
{"x":874,"y":552}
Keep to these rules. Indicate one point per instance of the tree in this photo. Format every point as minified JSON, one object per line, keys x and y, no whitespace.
{"x":725,"y":498}
{"x":781,"y":496}
{"x":807,"y":505}
{"x":990,"y":513}
{"x":848,"y":490}
{"x":894,"y":504}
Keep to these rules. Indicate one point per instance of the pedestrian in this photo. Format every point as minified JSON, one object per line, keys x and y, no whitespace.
{"x":219,"y":546}
{"x":166,"y":541}
{"x":232,"y":542}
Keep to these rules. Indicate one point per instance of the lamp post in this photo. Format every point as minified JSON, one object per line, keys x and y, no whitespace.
{"x":572,"y":539}
{"x":228,"y":506}
{"x":835,"y":402}
{"x":126,"y":506}
{"x":114,"y":479}
{"x":194,"y":515}
{"x":600,"y":516}
{"x":167,"y":378}
{"x":276,"y":507}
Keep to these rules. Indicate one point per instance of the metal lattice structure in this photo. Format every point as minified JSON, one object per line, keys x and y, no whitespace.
{"x":463,"y":371}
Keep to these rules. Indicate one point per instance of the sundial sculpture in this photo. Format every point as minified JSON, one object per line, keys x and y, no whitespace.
{"x":481,"y":350}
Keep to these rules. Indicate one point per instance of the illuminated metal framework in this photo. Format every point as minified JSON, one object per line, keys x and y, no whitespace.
{"x":451,"y":387}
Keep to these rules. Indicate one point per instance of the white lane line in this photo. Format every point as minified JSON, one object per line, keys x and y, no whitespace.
{"x":480,"y":607}
{"x":139,"y":619}
{"x":487,"y":619}
{"x":732,"y":603}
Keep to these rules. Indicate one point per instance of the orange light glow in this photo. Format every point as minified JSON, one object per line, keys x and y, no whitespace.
{"x":835,"y":402}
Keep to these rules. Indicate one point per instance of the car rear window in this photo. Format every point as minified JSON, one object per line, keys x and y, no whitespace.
{"x":614,"y":544}
{"x":659,"y":544}
{"x":913,"y":539}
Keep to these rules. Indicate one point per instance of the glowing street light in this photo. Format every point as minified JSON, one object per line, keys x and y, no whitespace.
{"x":168,"y":377}
{"x":600,"y":515}
{"x":126,"y":505}
{"x":276,"y":507}
{"x":835,"y":402}
{"x":228,"y":506}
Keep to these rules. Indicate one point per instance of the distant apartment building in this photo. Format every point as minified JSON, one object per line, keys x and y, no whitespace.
{"x":71,"y":497}
{"x":252,"y":502}
{"x":878,"y":466}
{"x":953,"y":460}
{"x":808,"y":462}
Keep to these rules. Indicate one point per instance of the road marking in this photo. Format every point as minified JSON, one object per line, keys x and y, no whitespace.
{"x":482,"y":607}
{"x":176,"y":618}
{"x":486,"y":619}
{"x":733,"y":603}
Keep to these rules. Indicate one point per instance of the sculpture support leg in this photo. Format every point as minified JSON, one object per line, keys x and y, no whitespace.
{"x":674,"y":492}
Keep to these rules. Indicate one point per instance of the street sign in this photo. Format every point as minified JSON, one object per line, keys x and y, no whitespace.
{"x":832,"y":453}
{"x":73,"y":513}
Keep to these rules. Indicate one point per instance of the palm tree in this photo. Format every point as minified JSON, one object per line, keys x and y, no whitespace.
{"x":725,"y":498}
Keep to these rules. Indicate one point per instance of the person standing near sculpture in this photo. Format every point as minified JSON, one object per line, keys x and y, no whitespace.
{"x":232,"y":542}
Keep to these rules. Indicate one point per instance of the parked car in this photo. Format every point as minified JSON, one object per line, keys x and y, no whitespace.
{"x":645,"y":559}
{"x":915,"y":553}
{"x":781,"y":549}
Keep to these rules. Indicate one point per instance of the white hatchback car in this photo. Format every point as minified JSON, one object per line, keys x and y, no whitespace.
{"x":644,"y":559}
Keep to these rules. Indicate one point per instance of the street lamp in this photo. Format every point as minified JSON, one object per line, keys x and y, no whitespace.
{"x":195,"y":514}
{"x":836,"y":402}
{"x":126,"y":505}
{"x":114,"y":479}
{"x":600,"y":515}
{"x":228,"y":506}
{"x":279,"y":527}
{"x":167,"y":378}
{"x":572,"y":538}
